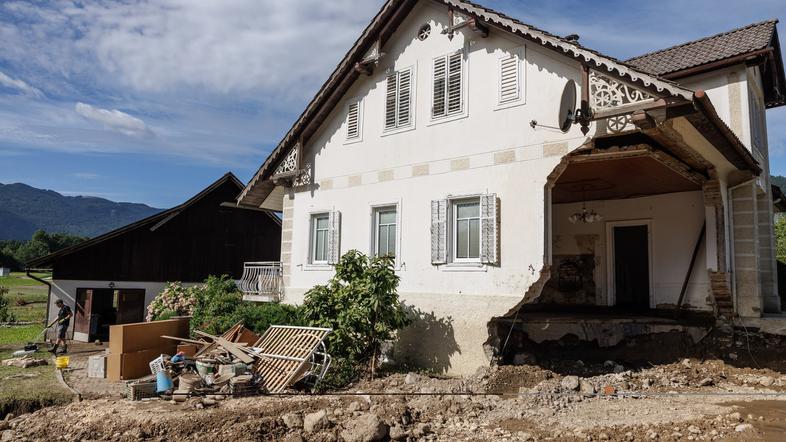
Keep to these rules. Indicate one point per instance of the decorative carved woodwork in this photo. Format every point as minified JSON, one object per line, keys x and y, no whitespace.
{"x":607,"y":92}
{"x":458,"y":21}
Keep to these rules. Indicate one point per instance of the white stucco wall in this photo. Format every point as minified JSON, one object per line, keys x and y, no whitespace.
{"x":672,"y":239}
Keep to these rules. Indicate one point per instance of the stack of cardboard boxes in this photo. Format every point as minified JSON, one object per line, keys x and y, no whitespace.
{"x":133,"y":346}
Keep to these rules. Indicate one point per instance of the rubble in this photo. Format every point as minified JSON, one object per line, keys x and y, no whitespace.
{"x":24,"y":362}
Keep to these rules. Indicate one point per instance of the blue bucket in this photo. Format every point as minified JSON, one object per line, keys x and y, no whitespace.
{"x":163,"y":382}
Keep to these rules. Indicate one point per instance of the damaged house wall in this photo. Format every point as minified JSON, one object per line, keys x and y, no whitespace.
{"x":675,"y":219}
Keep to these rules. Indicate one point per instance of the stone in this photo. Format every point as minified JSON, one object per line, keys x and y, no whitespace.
{"x":694,"y":429}
{"x":422,"y":429}
{"x":313,"y":422}
{"x":609,"y":389}
{"x":357,"y":406}
{"x":9,"y":416}
{"x":603,"y":436}
{"x":208,"y":402}
{"x":766,"y":381}
{"x":743,"y":427}
{"x":4,"y":425}
{"x":411,"y":378}
{"x":736,"y":417}
{"x":733,"y":356}
{"x":646,"y":383}
{"x":570,"y":382}
{"x":619,"y":369}
{"x":524,"y":358}
{"x":366,"y":428}
{"x":706,"y":382}
{"x":8,"y":435}
{"x":293,"y":420}
{"x":293,"y":438}
{"x":397,"y":433}
{"x":586,"y":388}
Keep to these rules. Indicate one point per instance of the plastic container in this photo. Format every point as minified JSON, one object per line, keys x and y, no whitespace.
{"x":205,"y":367}
{"x":62,"y":362}
{"x":157,"y":365}
{"x":163,"y":382}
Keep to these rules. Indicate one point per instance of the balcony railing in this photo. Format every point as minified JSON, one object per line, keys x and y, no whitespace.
{"x":262,"y":281}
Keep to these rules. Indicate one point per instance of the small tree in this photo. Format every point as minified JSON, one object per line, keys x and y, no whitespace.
{"x":5,"y":314}
{"x":360,"y":304}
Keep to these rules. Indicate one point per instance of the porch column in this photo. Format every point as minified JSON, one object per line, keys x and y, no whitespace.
{"x":767,"y":265}
{"x":286,"y":237}
{"x":745,"y":234}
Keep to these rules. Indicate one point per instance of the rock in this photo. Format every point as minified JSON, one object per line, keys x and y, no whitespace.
{"x":293,"y":420}
{"x":9,"y":416}
{"x":766,"y":381}
{"x":208,"y":402}
{"x":619,"y":369}
{"x":646,"y":383}
{"x":733,"y":356}
{"x":743,"y":427}
{"x":609,"y":389}
{"x":315,"y":421}
{"x":411,"y":378}
{"x":736,"y":417}
{"x":586,"y":388}
{"x":397,"y":433}
{"x":366,"y":428}
{"x":694,"y":429}
{"x":293,"y":438}
{"x":524,"y":358}
{"x":706,"y":382}
{"x":570,"y":382}
{"x":4,"y":425}
{"x":421,"y":430}
{"x":603,"y":436}
{"x":8,"y":435}
{"x":609,"y":364}
{"x":357,"y":406}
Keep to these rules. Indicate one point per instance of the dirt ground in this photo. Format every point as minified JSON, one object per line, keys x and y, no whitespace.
{"x":686,"y":400}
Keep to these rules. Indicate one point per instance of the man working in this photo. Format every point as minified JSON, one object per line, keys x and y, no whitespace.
{"x":62,"y":321}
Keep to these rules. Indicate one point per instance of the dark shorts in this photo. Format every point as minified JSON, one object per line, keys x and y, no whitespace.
{"x":61,"y":331}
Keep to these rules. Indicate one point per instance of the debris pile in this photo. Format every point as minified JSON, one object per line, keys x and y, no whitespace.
{"x":24,"y":362}
{"x":238,"y":363}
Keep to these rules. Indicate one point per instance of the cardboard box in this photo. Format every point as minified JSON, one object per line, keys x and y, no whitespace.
{"x":188,"y":349}
{"x":129,"y":338}
{"x":135,"y":365}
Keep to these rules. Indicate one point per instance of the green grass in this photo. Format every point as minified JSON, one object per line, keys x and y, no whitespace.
{"x":19,"y":279}
{"x":19,"y":335}
{"x":28,"y":389}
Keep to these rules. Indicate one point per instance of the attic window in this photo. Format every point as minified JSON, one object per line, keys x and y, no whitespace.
{"x":424,"y":32}
{"x":354,"y":120}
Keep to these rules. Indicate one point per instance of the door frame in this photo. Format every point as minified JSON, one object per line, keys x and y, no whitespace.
{"x":86,"y":314}
{"x":611,"y":295}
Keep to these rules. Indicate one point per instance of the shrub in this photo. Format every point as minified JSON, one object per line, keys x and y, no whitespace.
{"x":174,"y":300}
{"x":361,"y":305}
{"x":5,"y":315}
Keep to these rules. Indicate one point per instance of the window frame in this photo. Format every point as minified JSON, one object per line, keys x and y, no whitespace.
{"x":376,"y":212}
{"x":464,"y":96}
{"x":412,"y":100}
{"x":453,"y":203}
{"x":313,"y":228}
{"x":360,"y":102}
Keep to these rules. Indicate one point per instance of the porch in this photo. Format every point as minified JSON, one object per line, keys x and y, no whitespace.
{"x":262,"y":281}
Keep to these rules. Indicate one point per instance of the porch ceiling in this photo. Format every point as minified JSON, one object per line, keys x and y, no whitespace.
{"x":618,"y":178}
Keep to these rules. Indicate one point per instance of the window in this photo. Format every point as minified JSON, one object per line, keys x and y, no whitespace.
{"x":398,"y":100}
{"x":319,"y":238}
{"x":448,"y":86}
{"x":385,"y":227}
{"x":354,"y":123}
{"x":466,"y":230}
{"x":509,"y":78}
{"x":758,"y":122}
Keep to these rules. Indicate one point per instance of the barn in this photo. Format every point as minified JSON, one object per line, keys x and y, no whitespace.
{"x":110,"y":279}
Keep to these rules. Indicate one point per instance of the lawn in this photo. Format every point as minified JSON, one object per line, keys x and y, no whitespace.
{"x":19,"y":334}
{"x":32,"y":294}
{"x":28,"y":389}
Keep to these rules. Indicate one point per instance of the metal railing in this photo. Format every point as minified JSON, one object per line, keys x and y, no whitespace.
{"x":262,"y":281}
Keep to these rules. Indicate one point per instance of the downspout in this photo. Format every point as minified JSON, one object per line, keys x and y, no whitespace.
{"x":47,"y":283}
{"x":731,"y":237}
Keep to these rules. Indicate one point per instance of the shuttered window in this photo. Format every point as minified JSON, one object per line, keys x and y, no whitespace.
{"x":319,"y":238}
{"x":465,"y":230}
{"x":353,"y":120}
{"x":398,"y":99}
{"x":509,"y":79}
{"x":448,"y":94}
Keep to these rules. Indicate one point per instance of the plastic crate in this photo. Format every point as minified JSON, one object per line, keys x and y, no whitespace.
{"x":157,"y":365}
{"x":136,"y":391}
{"x":245,"y":388}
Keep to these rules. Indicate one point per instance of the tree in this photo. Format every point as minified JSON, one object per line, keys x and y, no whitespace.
{"x":360,"y":303}
{"x":780,"y":238}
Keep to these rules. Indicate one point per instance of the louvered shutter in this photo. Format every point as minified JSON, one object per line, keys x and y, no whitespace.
{"x":454,"y":83}
{"x":353,"y":120}
{"x":439,"y":88}
{"x":404,"y":98}
{"x":439,"y":231}
{"x":489,"y":225}
{"x":509,"y":79}
{"x":390,"y":101}
{"x":334,"y":237}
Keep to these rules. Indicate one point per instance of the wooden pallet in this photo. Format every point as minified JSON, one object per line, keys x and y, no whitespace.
{"x":288,"y":354}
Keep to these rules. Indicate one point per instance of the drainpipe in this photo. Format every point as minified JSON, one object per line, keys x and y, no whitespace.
{"x":731,"y":237}
{"x":48,"y":284}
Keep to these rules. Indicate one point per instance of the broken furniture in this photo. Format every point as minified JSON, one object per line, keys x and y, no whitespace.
{"x":290,"y":354}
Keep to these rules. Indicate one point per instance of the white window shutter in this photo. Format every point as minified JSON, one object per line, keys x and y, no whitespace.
{"x":390,"y":101}
{"x":509,"y":79}
{"x":489,"y":225}
{"x":353,"y":120}
{"x":404,"y":98}
{"x":439,"y":88}
{"x":439,"y":231}
{"x":455,"y":79}
{"x":334,"y":236}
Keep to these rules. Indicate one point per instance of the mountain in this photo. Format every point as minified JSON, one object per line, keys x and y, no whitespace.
{"x":25,"y":209}
{"x":779,"y":181}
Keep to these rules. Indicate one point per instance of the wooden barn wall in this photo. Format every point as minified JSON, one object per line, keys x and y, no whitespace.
{"x":206,"y":239}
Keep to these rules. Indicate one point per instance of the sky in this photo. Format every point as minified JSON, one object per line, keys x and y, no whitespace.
{"x":150,"y":101}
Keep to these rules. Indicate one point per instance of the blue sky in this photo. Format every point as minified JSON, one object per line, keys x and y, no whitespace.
{"x":149,"y":101}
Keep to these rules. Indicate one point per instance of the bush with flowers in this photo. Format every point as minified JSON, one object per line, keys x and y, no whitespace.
{"x":174,"y":300}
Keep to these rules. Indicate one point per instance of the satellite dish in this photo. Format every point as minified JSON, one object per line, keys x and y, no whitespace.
{"x":567,"y":107}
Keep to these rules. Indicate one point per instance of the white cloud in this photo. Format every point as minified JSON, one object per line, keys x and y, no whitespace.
{"x":19,"y":85}
{"x":114,"y":119}
{"x":86,"y":175}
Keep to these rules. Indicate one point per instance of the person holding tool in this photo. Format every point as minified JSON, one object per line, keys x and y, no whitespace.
{"x":63,"y":319}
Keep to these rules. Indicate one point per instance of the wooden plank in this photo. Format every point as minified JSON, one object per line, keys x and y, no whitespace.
{"x":190,"y":341}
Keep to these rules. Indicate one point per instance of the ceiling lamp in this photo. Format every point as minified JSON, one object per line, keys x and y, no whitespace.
{"x":586,"y":216}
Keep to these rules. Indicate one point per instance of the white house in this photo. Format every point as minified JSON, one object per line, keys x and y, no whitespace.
{"x":505,"y":166}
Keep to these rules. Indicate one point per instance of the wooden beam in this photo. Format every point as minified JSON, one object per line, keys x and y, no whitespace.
{"x":472,"y":23}
{"x":585,"y":113}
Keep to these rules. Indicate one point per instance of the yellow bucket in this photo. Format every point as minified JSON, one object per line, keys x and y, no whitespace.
{"x":61,"y":362}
